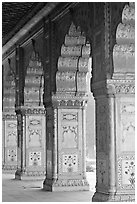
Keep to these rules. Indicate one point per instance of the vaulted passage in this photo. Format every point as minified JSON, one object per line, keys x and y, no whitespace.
{"x":51,"y":63}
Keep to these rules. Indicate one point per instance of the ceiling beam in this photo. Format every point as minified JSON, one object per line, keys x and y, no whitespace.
{"x":28,"y":26}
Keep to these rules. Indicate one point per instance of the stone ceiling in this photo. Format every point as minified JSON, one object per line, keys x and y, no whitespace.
{"x":15,"y":15}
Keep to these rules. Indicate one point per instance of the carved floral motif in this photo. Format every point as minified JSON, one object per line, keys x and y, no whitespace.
{"x":70,"y":163}
{"x":69,"y":117}
{"x":69,"y":136}
{"x":34,"y":158}
{"x":12,"y":155}
{"x":126,"y":172}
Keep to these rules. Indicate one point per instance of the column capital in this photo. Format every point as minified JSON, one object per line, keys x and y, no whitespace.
{"x":114,"y":86}
{"x":64,"y":100}
{"x":30,"y":110}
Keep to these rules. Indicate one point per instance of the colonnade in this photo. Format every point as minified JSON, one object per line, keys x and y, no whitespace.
{"x":47,"y":139}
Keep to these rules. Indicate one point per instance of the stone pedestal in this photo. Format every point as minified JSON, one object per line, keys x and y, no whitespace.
{"x":66,"y":132}
{"x":66,"y":148}
{"x":31,"y":125}
{"x":31,"y":143}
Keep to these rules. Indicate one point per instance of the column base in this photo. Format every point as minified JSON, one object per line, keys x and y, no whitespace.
{"x":104,"y":197}
{"x":65,"y":185}
{"x":35,"y":175}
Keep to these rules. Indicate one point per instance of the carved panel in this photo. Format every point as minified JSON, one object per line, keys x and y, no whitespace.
{"x":34,"y":138}
{"x":127,"y":126}
{"x":125,"y":89}
{"x":35,"y":159}
{"x":69,"y":136}
{"x":34,"y":124}
{"x":70,"y":163}
{"x":126,"y":172}
{"x":70,"y":116}
{"x":12,"y":155}
{"x":11,"y":133}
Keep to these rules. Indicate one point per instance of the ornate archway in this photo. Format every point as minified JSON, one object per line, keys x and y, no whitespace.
{"x":66,"y":148}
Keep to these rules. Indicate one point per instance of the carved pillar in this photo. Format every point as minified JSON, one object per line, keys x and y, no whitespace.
{"x":115,"y":122}
{"x":66,"y":118}
{"x":31,"y":124}
{"x":9,"y":133}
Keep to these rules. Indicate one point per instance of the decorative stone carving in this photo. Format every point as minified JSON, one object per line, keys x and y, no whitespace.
{"x":35,"y":158}
{"x":124,"y":50}
{"x":128,"y":126}
{"x":65,"y":81}
{"x":68,"y":63}
{"x":125,"y":32}
{"x":128,"y":14}
{"x":70,"y":163}
{"x":70,"y":116}
{"x":12,"y":155}
{"x":126,"y":172}
{"x":65,"y":133}
{"x":31,"y":124}
{"x":71,"y":51}
{"x":83,"y":64}
{"x":82,"y":82}
{"x":69,"y":185}
{"x":9,"y":124}
{"x":33,"y":91}
{"x":34,"y":131}
{"x":69,"y":136}
{"x":74,"y":63}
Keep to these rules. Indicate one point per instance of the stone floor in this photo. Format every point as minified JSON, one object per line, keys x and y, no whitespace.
{"x":31,"y":191}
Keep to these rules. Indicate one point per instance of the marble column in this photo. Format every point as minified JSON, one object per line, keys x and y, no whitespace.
{"x":31,"y":125}
{"x":66,"y":133}
{"x":115,"y":119}
{"x":9,"y":125}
